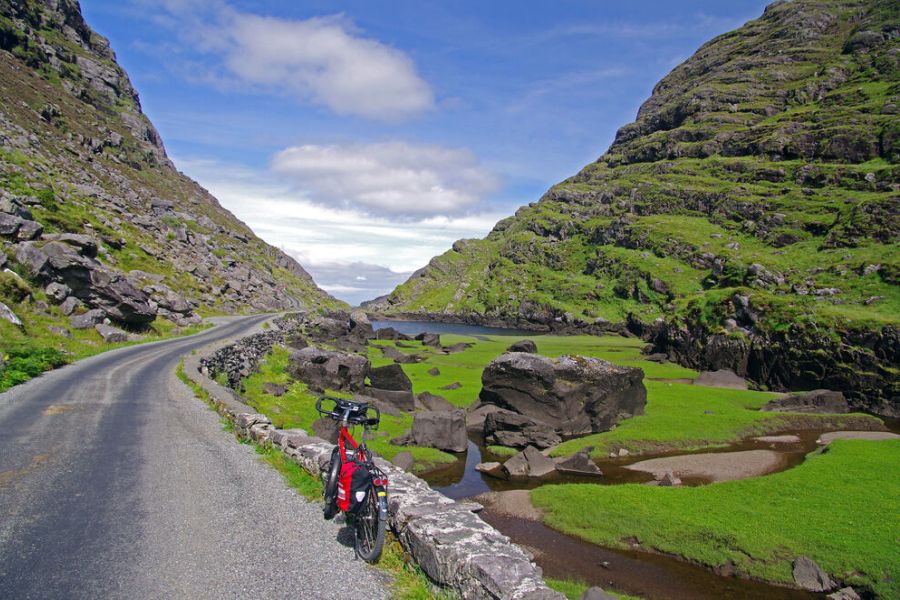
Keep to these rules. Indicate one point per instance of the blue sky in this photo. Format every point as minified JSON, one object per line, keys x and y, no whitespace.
{"x":365,"y":137}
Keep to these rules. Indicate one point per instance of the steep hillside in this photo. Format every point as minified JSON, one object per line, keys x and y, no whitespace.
{"x":95,"y":221}
{"x":747,"y":219}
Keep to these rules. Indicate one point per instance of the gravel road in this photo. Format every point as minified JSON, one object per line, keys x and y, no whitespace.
{"x":115,"y":482}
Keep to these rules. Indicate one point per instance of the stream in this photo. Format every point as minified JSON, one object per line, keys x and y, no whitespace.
{"x":640,"y":573}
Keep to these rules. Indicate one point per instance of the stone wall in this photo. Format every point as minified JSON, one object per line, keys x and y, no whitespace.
{"x":451,"y":544}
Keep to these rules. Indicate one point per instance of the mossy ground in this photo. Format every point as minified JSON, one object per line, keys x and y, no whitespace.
{"x":836,"y":508}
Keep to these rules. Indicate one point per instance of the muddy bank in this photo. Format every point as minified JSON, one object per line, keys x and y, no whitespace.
{"x":714,"y":466}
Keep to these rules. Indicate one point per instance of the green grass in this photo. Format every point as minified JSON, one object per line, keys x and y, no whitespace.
{"x":295,"y":476}
{"x":574,"y":589}
{"x":838,"y":508}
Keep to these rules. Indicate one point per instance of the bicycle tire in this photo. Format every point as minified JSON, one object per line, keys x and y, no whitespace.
{"x":329,"y":492}
{"x":370,"y":525}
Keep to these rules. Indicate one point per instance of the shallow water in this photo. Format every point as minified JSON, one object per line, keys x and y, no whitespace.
{"x":476,"y":331}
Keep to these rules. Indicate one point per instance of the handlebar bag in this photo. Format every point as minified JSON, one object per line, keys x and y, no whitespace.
{"x":353,"y":485}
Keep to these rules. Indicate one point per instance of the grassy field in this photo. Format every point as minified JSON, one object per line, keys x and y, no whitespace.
{"x":574,"y":589}
{"x":839,"y":508}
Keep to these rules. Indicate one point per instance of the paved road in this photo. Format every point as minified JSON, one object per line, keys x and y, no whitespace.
{"x":115,"y":482}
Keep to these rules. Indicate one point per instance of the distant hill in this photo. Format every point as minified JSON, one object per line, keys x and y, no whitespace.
{"x":747,"y":219}
{"x":77,"y":156}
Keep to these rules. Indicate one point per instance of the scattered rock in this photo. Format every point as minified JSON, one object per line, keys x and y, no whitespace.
{"x":325,"y":369}
{"x":434,"y":371}
{"x":70,"y":305}
{"x":60,"y":331}
{"x":111,"y":335}
{"x":430,"y":339}
{"x":668,"y":479}
{"x":723,"y":378}
{"x":457,"y":348}
{"x":810,"y":576}
{"x":88,"y":319}
{"x":816,"y":401}
{"x":595,"y":593}
{"x":7,"y":314}
{"x":847,"y":593}
{"x":574,"y":395}
{"x":529,"y":463}
{"x":452,"y":386}
{"x":490,"y":468}
{"x":444,"y":430}
{"x":274,"y":389}
{"x":57,"y":292}
{"x":390,"y":377}
{"x":506,"y":428}
{"x":523,"y":346}
{"x":400,"y":400}
{"x":579,"y":463}
{"x":404,"y":460}
{"x":327,"y":429}
{"x":430,"y":401}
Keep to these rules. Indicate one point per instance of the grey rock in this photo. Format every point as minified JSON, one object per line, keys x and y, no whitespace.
{"x":444,"y":430}
{"x":57,"y":292}
{"x":669,"y":479}
{"x":400,"y":400}
{"x":403,"y":460}
{"x":70,"y":305}
{"x":390,"y":377}
{"x":529,"y":463}
{"x":87,"y":320}
{"x":325,"y":369}
{"x":60,"y":331}
{"x":723,"y":378}
{"x":457,"y":348}
{"x":816,"y":401}
{"x":452,"y":386}
{"x":29,"y":230}
{"x":430,"y":401}
{"x":274,"y":389}
{"x":434,"y":371}
{"x":579,"y":463}
{"x":9,"y":225}
{"x":7,"y":314}
{"x":810,"y":576}
{"x":490,"y":468}
{"x":430,"y":339}
{"x":111,"y":335}
{"x":523,"y":346}
{"x":595,"y":593}
{"x":846,"y":593}
{"x":572,"y":394}
{"x":507,"y":428}
{"x":327,"y":429}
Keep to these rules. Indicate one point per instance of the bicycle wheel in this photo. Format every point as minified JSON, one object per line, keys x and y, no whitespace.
{"x":370,"y":524}
{"x":331,"y":484}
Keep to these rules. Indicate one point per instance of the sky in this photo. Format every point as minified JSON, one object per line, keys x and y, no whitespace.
{"x":364,"y":137}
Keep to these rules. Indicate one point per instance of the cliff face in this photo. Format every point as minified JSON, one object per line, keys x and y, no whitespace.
{"x":93,"y":214}
{"x":747,"y":219}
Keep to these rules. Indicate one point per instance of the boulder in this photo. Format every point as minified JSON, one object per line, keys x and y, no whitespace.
{"x":810,"y":576}
{"x":111,"y":335}
{"x":529,"y":463}
{"x":452,"y":386}
{"x":723,"y":378}
{"x":523,"y":346}
{"x":816,"y":401}
{"x":490,"y":468}
{"x":389,"y":333}
{"x":57,"y":292}
{"x":390,"y":377}
{"x":326,"y":369}
{"x":506,"y":428}
{"x":574,"y":395}
{"x":434,"y":371}
{"x":430,"y":339}
{"x":399,"y":399}
{"x":579,"y":463}
{"x":70,"y":305}
{"x":444,"y":430}
{"x":456,"y":348}
{"x":7,"y":314}
{"x":403,"y":460}
{"x":668,"y":479}
{"x":595,"y":593}
{"x":327,"y":429}
{"x":430,"y":401}
{"x":274,"y":389}
{"x":88,"y":319}
{"x":847,"y":593}
{"x":60,"y":331}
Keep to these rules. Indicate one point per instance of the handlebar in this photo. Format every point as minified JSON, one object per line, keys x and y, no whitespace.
{"x":348,"y":411}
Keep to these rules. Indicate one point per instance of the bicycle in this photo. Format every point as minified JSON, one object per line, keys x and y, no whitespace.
{"x":353,"y":484}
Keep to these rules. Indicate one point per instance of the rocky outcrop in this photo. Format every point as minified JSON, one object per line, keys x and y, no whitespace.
{"x":816,"y":401}
{"x":529,"y":463}
{"x":328,"y":370}
{"x":723,"y":378}
{"x":444,"y":430}
{"x":523,"y":346}
{"x":390,"y":377}
{"x":507,"y":428}
{"x":572,"y":394}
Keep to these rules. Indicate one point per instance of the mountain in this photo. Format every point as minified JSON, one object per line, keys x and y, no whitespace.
{"x":95,"y":221}
{"x":747,"y":219}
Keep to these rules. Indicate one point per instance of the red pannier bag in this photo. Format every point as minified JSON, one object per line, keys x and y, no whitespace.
{"x":353,"y":485}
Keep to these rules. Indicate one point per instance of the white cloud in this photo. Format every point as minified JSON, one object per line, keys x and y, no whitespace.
{"x":322,"y":60}
{"x":393,"y":178}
